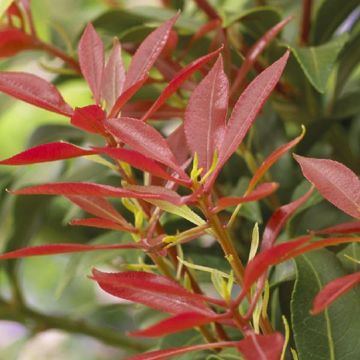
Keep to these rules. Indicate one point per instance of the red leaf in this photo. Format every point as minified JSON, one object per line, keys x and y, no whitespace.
{"x":262,"y":347}
{"x":260,"y":192}
{"x":335,"y":182}
{"x":177,"y":144}
{"x":144,"y":139}
{"x":155,"y":291}
{"x":333,"y":291}
{"x":91,"y":59}
{"x":205,"y":115}
{"x":34,"y":90}
{"x":89,"y":118}
{"x":99,"y":207}
{"x":178,"y":80}
{"x":47,"y":152}
{"x":113,"y":79}
{"x":163,"y":192}
{"x":13,"y":41}
{"x":279,"y":219}
{"x":247,"y":107}
{"x":136,"y":160}
{"x":102,"y":224}
{"x":167,"y":353}
{"x":272,"y":158}
{"x":261,"y":262}
{"x":147,"y":53}
{"x":90,"y":189}
{"x":138,"y":108}
{"x":345,"y":228}
{"x":176,"y":323}
{"x":55,"y":249}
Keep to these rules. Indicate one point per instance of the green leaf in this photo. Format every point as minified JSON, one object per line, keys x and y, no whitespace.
{"x":333,"y":334}
{"x":318,"y":62}
{"x":329,"y":17}
{"x":348,"y":105}
{"x":349,"y":257}
{"x":4,"y":5}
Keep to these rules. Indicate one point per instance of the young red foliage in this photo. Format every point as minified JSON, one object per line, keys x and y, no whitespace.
{"x":260,"y":192}
{"x":333,"y":291}
{"x":345,"y":228}
{"x":34,"y":90}
{"x":205,"y":115}
{"x":335,"y":182}
{"x":57,"y":249}
{"x":155,"y":291}
{"x":12,"y":41}
{"x":102,"y":224}
{"x":89,"y":118}
{"x":47,"y":152}
{"x":91,"y":59}
{"x":177,"y":323}
{"x":113,"y":78}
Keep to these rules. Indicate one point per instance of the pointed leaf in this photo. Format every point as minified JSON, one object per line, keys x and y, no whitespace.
{"x":90,"y":189}
{"x":205,"y":115}
{"x":47,"y":152}
{"x":335,"y":182}
{"x":147,"y":53}
{"x":34,"y":90}
{"x":345,"y":228}
{"x":142,"y":138}
{"x":102,"y":224}
{"x":333,"y":290}
{"x":152,"y":290}
{"x":318,"y":62}
{"x":177,"y":144}
{"x":138,"y":108}
{"x":89,"y":118}
{"x":113,"y":79}
{"x":13,"y":41}
{"x":176,"y":323}
{"x":91,"y":59}
{"x":178,"y":80}
{"x":262,"y":347}
{"x":56,"y":249}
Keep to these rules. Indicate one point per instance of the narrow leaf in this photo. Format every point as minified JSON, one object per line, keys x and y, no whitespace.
{"x":102,"y":224}
{"x":178,"y":80}
{"x":47,"y":152}
{"x":34,"y":90}
{"x":205,"y":115}
{"x":333,"y":291}
{"x":56,"y":249}
{"x":335,"y":182}
{"x":138,"y":108}
{"x":155,"y":291}
{"x":89,"y":118}
{"x":113,"y":79}
{"x":176,"y":323}
{"x":260,"y":192}
{"x":345,"y":228}
{"x":91,"y":59}
{"x":144,"y":139}
{"x":147,"y":53}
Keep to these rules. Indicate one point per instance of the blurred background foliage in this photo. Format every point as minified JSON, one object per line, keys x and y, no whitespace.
{"x":320,"y":89}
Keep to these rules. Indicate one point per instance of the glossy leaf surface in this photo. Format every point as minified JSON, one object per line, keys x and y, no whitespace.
{"x":89,"y":118}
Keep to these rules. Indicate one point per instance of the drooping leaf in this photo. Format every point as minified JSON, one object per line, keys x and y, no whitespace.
{"x":147,"y":53}
{"x":333,"y":290}
{"x":205,"y":115}
{"x":91,"y":59}
{"x":91,"y":189}
{"x":334,"y":333}
{"x":56,"y":249}
{"x":12,"y":41}
{"x":178,"y":80}
{"x":47,"y":152}
{"x":260,"y":192}
{"x":155,"y":291}
{"x":144,"y":139}
{"x":335,"y":182}
{"x":246,"y":109}
{"x":34,"y":90}
{"x":89,"y":118}
{"x":113,"y":79}
{"x":179,"y":322}
{"x":261,"y":347}
{"x":318,"y":62}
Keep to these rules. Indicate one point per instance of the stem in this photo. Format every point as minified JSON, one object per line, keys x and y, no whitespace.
{"x":23,"y":313}
{"x":208,"y":9}
{"x":305,"y":22}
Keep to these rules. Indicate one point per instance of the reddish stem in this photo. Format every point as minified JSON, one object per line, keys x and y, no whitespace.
{"x":208,"y":9}
{"x":305,"y":22}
